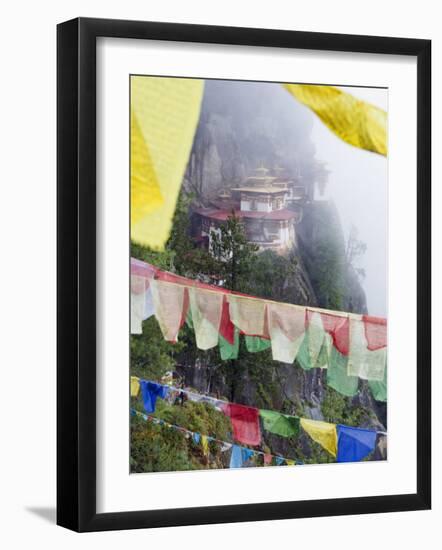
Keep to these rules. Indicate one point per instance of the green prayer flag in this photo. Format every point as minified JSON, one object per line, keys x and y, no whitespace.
{"x":228,"y":350}
{"x":379,"y":388}
{"x":255,"y":344}
{"x":280,"y":424}
{"x":337,"y":376}
{"x":189,"y":320}
{"x":303,"y":356}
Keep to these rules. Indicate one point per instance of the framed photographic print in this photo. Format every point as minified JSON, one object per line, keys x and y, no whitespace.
{"x":243,"y":274}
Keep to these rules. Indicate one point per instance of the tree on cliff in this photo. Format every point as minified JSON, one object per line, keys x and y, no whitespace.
{"x":233,"y":253}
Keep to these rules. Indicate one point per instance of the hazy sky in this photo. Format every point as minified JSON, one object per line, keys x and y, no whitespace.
{"x":358,"y":185}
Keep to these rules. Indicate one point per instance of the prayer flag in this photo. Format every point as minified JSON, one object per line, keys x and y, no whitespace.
{"x":205,"y":444}
{"x":280,"y":424}
{"x":248,"y":314}
{"x":375,"y":332}
{"x":236,"y":457}
{"x":169,"y":303}
{"x":164,"y":117}
{"x":315,"y":335}
{"x":379,"y":388}
{"x":286,"y":328}
{"x":226,"y":349}
{"x":337,"y":376}
{"x":356,"y":122}
{"x":150,"y":391}
{"x":354,"y":444}
{"x":134,"y":386}
{"x":245,"y":422}
{"x":226,"y":328}
{"x":206,"y":307}
{"x":255,"y":344}
{"x":323,"y":433}
{"x":362,"y":362}
{"x":339,"y":329}
{"x":137,"y":303}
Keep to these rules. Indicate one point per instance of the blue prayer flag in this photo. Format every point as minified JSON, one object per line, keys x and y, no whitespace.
{"x":354,"y":444}
{"x":236,"y":457}
{"x":247,"y":454}
{"x":150,"y":391}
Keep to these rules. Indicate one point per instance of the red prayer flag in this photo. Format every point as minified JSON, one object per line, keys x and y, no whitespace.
{"x":226,"y":327}
{"x":339,"y":329}
{"x":185,"y":307}
{"x":337,"y":326}
{"x":375,"y":332}
{"x":245,"y":422}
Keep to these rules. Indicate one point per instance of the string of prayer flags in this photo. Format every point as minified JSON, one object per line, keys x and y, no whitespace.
{"x":245,"y":423}
{"x":134,"y":386}
{"x":356,"y":122}
{"x":286,"y":328}
{"x":246,"y":427}
{"x":323,"y":433}
{"x":352,"y":346}
{"x":362,"y":362}
{"x":280,"y":424}
{"x":168,"y":299}
{"x":206,"y":308}
{"x":242,"y":454}
{"x":354,"y":444}
{"x":150,"y":391}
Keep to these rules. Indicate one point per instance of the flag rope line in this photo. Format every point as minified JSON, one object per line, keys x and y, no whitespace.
{"x":194,"y":284}
{"x":215,"y":399}
{"x":161,"y":422}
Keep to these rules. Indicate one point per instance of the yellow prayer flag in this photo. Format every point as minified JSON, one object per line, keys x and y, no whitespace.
{"x":323,"y":433}
{"x":355,"y":121}
{"x":205,"y":444}
{"x":134,"y":386}
{"x":164,"y":116}
{"x":290,"y":462}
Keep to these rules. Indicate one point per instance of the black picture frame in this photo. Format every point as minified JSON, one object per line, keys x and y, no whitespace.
{"x":76,"y":273}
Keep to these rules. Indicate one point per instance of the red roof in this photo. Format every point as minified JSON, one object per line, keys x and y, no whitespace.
{"x":223,"y":214}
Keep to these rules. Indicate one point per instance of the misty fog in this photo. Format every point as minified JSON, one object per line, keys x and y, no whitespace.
{"x":358,"y":184}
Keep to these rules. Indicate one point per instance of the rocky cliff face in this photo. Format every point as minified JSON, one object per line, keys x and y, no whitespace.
{"x":243,"y":125}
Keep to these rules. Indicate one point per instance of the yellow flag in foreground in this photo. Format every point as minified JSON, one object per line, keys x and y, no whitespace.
{"x":323,"y":433}
{"x":353,"y":120}
{"x":164,"y":116}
